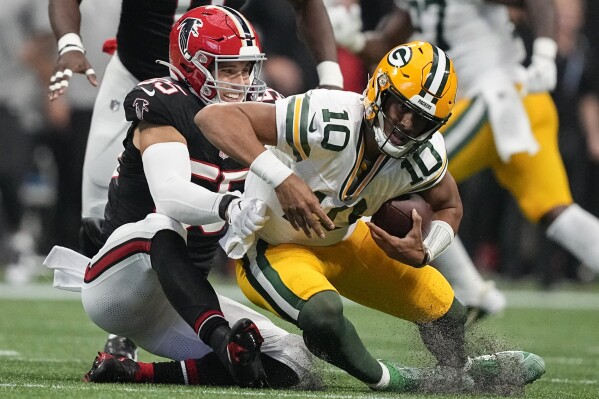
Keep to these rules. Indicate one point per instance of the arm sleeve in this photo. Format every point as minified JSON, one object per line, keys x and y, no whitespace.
{"x":168,"y":172}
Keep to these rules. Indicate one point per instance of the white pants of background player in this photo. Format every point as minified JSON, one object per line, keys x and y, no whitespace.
{"x":127,"y":299}
{"x":106,"y":134}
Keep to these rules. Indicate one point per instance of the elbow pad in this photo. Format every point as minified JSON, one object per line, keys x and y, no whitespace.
{"x":168,"y":172}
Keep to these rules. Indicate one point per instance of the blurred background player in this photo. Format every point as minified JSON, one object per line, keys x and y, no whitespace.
{"x":141,"y":39}
{"x":23,"y":25}
{"x":168,"y":207}
{"x":505,"y":120}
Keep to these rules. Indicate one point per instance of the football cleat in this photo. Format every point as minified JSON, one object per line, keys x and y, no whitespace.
{"x":243,"y":353}
{"x":109,"y":368}
{"x":121,"y":347}
{"x":508,"y":368}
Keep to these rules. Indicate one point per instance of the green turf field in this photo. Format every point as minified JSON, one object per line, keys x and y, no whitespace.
{"x":47,"y":344}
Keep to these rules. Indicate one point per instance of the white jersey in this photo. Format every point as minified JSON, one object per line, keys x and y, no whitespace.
{"x":319,"y":138}
{"x":477,"y":37}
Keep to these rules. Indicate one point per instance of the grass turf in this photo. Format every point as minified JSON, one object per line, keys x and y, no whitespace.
{"x":46,"y":345}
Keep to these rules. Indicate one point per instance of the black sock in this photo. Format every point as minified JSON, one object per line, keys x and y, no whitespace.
{"x":186,"y":286}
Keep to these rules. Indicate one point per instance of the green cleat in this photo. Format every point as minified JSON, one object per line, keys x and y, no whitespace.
{"x":427,"y":379}
{"x":401,"y":379}
{"x":505,"y":369}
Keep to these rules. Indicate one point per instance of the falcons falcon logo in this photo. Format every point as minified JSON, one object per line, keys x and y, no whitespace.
{"x":190,"y":26}
{"x":141,"y":106}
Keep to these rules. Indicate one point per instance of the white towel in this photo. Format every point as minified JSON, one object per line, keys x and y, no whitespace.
{"x":69,"y":268}
{"x":510,"y":124}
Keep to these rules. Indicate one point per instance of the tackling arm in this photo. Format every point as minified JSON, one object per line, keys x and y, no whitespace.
{"x":168,"y":172}
{"x":248,"y":127}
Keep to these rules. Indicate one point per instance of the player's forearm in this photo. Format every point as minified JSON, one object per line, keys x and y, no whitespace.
{"x":542,"y":17}
{"x":315,"y":28}
{"x":65,"y":17}
{"x":444,"y":199}
{"x":394,"y":29}
{"x":231,"y":130}
{"x":167,"y":170}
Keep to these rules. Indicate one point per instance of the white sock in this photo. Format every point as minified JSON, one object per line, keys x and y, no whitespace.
{"x":457,"y":267}
{"x":577,"y":231}
{"x":385,"y":379}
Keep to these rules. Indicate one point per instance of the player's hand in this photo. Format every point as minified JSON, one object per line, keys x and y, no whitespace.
{"x":301,"y":207}
{"x":67,"y":64}
{"x":246,"y":216}
{"x":346,"y":20}
{"x":541,"y":74}
{"x":408,"y":250}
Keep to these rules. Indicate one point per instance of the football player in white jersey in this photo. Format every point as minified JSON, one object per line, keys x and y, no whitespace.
{"x":337,"y":156}
{"x":504,"y":119}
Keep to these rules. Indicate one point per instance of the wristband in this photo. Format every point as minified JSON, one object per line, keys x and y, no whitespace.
{"x":329,"y":74}
{"x":70,"y":42}
{"x":437,"y":240}
{"x":544,"y":47}
{"x":270,"y":169}
{"x":224,"y":205}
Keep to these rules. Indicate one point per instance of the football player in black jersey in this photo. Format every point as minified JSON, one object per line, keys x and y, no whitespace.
{"x":142,"y":37}
{"x":168,"y":206}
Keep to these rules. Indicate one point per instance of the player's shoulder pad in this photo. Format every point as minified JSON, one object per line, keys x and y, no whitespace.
{"x":271,"y":95}
{"x":155,"y":97}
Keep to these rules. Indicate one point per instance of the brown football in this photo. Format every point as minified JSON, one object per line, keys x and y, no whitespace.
{"x":395,"y":215}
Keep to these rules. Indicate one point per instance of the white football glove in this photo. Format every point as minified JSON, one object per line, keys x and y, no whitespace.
{"x":347,"y":25}
{"x":541,"y":74}
{"x":246,"y":216}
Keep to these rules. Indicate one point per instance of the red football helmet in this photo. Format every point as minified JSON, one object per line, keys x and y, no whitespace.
{"x":207,"y":35}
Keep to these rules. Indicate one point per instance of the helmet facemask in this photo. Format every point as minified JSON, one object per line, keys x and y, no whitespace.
{"x":214,"y":87}
{"x":390,"y":138}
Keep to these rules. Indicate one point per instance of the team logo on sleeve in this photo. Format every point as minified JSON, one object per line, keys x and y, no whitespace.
{"x":141,"y":106}
{"x":400,"y":56}
{"x":187,"y":28}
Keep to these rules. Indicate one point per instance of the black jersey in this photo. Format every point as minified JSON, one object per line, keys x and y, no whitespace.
{"x":165,"y":102}
{"x":143,"y":32}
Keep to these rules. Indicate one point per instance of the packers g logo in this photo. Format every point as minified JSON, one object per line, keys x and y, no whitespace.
{"x":400,"y":56}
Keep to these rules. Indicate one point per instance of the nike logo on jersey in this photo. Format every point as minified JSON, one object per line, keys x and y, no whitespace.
{"x":148,"y":92}
{"x":311,"y":128}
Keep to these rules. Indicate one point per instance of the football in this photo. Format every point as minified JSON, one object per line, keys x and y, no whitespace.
{"x":395,"y":215}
